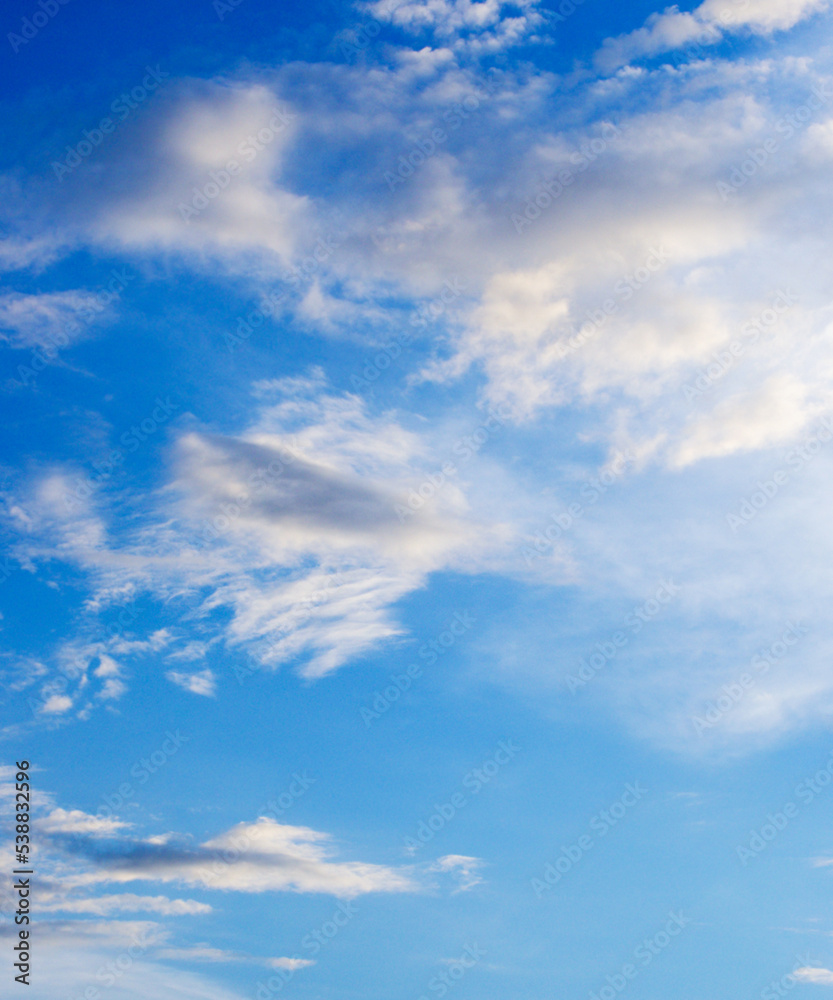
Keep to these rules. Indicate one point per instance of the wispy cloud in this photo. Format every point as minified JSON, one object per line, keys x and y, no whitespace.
{"x":205,"y":953}
{"x":292,"y":525}
{"x":50,"y":319}
{"x":465,"y":870}
{"x":202,"y":682}
{"x":705,"y":25}
{"x":126,"y":902}
{"x":823,"y":977}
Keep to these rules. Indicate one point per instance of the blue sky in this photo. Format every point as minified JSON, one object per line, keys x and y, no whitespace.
{"x":415,"y":568}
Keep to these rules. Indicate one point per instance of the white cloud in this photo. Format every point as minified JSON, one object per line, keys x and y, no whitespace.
{"x":760,"y":15}
{"x":107,"y":667}
{"x":289,"y":963}
{"x":300,"y":525}
{"x":49,"y":319}
{"x":662,"y":32}
{"x":823,"y":977}
{"x":202,"y":682}
{"x":195,"y":201}
{"x":23,"y":250}
{"x":74,"y":821}
{"x":264,"y":856}
{"x":205,"y":953}
{"x":127,"y":902}
{"x":155,"y":642}
{"x":194,"y":649}
{"x":25,"y":672}
{"x":113,"y":956}
{"x":466,"y":870}
{"x":819,"y":140}
{"x":56,"y":704}
{"x":772,"y":415}
{"x":705,"y":25}
{"x":310,"y":566}
{"x":470,"y":25}
{"x":113,"y":687}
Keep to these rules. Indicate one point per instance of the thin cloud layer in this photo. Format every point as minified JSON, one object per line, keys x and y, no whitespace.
{"x":51,"y":319}
{"x":119,"y":956}
{"x":125,"y":902}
